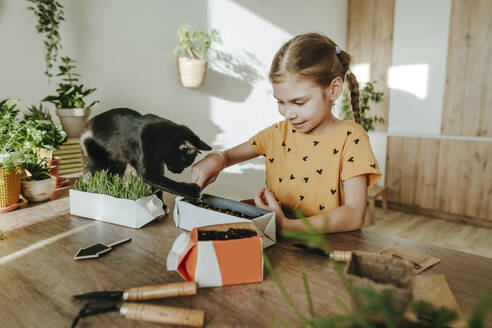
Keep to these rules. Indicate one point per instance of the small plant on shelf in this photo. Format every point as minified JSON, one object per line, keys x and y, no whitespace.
{"x":70,"y":93}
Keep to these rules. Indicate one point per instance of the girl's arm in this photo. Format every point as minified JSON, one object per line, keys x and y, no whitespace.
{"x":347,"y":217}
{"x":206,"y":171}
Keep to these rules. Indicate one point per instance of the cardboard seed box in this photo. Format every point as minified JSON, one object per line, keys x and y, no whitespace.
{"x":188,"y":216}
{"x":125,"y":212}
{"x":214,"y":263}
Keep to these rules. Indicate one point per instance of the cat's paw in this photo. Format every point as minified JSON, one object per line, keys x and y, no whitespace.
{"x":193,"y":191}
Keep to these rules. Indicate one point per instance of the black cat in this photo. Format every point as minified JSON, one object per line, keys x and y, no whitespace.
{"x":122,"y":136}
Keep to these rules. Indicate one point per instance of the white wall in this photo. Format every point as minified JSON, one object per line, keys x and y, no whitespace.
{"x":418,"y":72}
{"x":124,"y":49}
{"x":416,"y":78}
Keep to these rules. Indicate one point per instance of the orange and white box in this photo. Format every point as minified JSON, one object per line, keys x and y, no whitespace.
{"x":214,"y":263}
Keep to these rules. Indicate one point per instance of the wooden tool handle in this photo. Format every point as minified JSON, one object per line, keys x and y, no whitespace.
{"x":341,"y":256}
{"x":163,"y":314}
{"x":161,"y":291}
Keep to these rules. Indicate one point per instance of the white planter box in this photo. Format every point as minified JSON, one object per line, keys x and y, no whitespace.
{"x":188,"y":216}
{"x":125,"y":212}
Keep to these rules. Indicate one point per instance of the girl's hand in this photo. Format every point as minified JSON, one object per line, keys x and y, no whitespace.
{"x":265,"y":199}
{"x":206,"y":171}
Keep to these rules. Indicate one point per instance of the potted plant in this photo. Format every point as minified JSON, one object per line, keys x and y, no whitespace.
{"x":112,"y":198}
{"x":192,"y":67}
{"x":69,"y":102}
{"x":38,"y":184}
{"x":14,"y":139}
{"x":49,"y":14}
{"x":367,"y":95}
{"x":45,"y":135}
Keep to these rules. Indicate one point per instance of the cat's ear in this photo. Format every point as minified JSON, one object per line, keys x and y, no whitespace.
{"x":197,"y":142}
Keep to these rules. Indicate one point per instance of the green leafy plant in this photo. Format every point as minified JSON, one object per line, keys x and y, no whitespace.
{"x":14,"y":135}
{"x":70,"y":94}
{"x":38,"y":113}
{"x":371,"y":309}
{"x":49,"y":14}
{"x":46,"y":135}
{"x":195,"y":43}
{"x":103,"y":182}
{"x":38,"y":168}
{"x":367,"y":95}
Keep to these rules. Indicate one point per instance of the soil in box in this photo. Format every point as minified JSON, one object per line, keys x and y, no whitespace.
{"x":221,"y":210}
{"x":225,"y":235}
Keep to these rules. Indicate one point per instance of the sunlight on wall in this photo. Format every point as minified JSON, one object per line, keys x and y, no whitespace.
{"x":362,"y":72}
{"x":243,"y":63}
{"x":410,"y":78}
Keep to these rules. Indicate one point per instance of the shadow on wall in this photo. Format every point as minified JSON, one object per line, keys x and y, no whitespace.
{"x":225,"y":87}
{"x":232,"y":76}
{"x":130,"y":61}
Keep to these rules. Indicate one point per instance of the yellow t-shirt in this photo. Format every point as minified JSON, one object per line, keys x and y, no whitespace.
{"x":307,"y":172}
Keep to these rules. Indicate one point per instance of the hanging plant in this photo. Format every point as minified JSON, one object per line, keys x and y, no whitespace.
{"x":49,"y":14}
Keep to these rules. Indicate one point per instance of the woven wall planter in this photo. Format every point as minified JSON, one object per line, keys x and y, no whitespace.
{"x":191,"y":72}
{"x":73,"y":120}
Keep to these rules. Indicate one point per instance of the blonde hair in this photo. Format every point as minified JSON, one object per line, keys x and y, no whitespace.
{"x":313,"y":56}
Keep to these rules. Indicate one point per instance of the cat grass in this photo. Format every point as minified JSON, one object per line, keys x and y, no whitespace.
{"x":104,"y":182}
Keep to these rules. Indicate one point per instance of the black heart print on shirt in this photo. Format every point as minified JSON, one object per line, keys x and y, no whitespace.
{"x":351,"y":159}
{"x":373,"y":165}
{"x":271,"y":160}
{"x":335,"y":151}
{"x":333,"y":191}
{"x":356,"y":141}
{"x":315,"y":143}
{"x":305,"y":158}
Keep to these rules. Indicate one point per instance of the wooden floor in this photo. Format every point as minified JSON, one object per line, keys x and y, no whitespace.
{"x":462,"y":237}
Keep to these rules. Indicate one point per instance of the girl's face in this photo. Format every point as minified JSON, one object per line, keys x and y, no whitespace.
{"x":305,"y":105}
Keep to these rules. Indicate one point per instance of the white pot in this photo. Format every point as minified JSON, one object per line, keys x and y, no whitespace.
{"x":38,"y":190}
{"x":73,"y":120}
{"x":191,"y":72}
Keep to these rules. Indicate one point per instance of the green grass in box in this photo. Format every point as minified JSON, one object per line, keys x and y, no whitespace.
{"x":103,"y":182}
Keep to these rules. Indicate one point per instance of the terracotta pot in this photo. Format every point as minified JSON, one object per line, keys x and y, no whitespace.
{"x":191,"y":72}
{"x":55,"y":161}
{"x":38,"y":190}
{"x":73,"y":120}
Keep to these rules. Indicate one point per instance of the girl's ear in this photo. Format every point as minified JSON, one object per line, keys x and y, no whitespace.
{"x":335,"y":89}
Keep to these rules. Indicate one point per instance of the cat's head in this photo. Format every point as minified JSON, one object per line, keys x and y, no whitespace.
{"x":187,"y":146}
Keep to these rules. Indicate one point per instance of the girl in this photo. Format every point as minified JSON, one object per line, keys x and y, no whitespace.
{"x":315,"y":163}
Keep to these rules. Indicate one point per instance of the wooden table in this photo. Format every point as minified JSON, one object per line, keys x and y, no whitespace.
{"x":38,"y":275}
